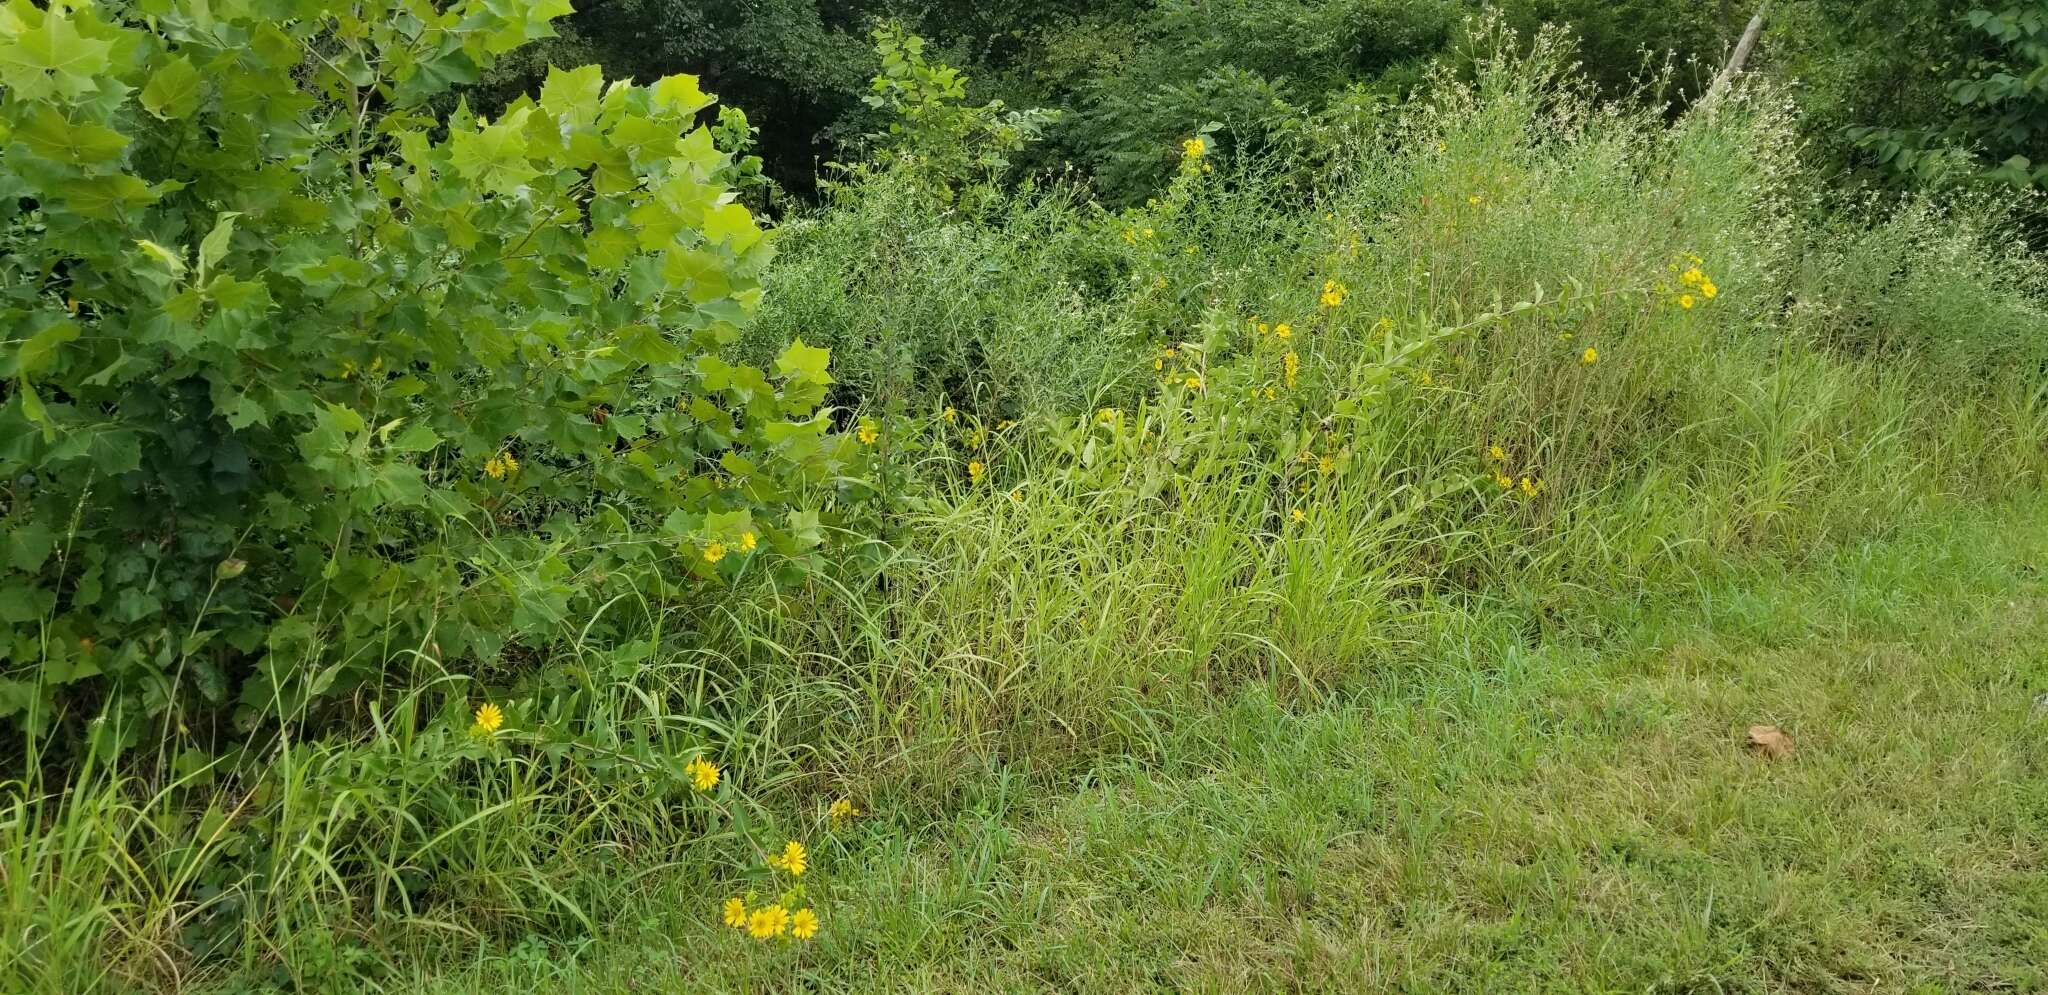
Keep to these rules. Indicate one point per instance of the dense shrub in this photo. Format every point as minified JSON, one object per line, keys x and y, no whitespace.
{"x":302,"y":381}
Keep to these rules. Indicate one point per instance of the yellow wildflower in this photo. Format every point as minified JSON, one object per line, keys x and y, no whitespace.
{"x":489,"y":717}
{"x":714,"y":552}
{"x":703,"y":774}
{"x":1159,"y":364}
{"x":844,"y":808}
{"x":748,"y":541}
{"x":1590,"y":356}
{"x":1194,"y":383}
{"x":792,"y":859}
{"x":803,"y":924}
{"x":974,"y":471}
{"x":1283,"y":331}
{"x":736,"y":913}
{"x":1270,"y":394}
{"x":1506,"y":482}
{"x":1149,"y":233}
{"x":1686,"y":302}
{"x":1293,"y":364}
{"x":1131,"y":235}
{"x":1194,"y":148}
{"x":768,"y":922}
{"x":1497,"y":454}
{"x":1531,"y":488}
{"x":1334,"y":293}
{"x":494,"y":468}
{"x":950,"y":416}
{"x":869,"y":431}
{"x":1325,"y":465}
{"x":1474,"y":200}
{"x":1708,"y":290}
{"x":1298,"y":515}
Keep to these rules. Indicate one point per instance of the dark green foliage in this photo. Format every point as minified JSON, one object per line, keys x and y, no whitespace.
{"x":1921,"y":91}
{"x":302,"y":381}
{"x":796,"y":67}
{"x":1131,"y":78}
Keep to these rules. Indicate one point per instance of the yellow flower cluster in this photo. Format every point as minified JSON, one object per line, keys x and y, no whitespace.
{"x":1291,"y":368}
{"x":1334,"y":294}
{"x":1530,"y":486}
{"x":1194,"y":148}
{"x":703,"y":774}
{"x":793,"y":858}
{"x":770,"y":922}
{"x":975,"y":470}
{"x":788,"y":916}
{"x":1694,"y":284}
{"x":776,"y":920}
{"x":501,"y":466}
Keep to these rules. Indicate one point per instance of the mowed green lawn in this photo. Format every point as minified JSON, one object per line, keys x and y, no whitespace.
{"x":1500,"y":813}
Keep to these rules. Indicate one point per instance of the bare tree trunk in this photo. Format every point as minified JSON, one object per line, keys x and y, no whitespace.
{"x":1741,"y":53}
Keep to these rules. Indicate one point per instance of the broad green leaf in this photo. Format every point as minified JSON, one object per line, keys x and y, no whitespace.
{"x":169,"y":259}
{"x":417,"y":438}
{"x":731,"y":222}
{"x":572,"y":95}
{"x":28,"y":545}
{"x":806,"y":364}
{"x":115,"y":451}
{"x":173,"y":90}
{"x":215,"y":246}
{"x":52,"y":59}
{"x":107,"y":196}
{"x":242,"y":411}
{"x":32,"y":409}
{"x":679,"y":94}
{"x":513,"y":23}
{"x":49,"y":135}
{"x":39,"y":353}
{"x":495,"y":156}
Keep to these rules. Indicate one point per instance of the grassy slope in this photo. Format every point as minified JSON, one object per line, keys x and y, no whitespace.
{"x":1491,"y":817}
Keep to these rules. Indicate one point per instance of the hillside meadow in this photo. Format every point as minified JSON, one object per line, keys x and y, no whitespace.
{"x":453,"y":550}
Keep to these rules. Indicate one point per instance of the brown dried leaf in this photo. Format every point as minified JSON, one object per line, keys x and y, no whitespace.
{"x":1770,"y":741}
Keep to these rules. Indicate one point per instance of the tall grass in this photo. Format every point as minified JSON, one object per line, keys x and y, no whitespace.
{"x":1110,"y":571}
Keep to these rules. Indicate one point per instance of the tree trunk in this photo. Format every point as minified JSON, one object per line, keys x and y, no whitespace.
{"x":1741,"y":53}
